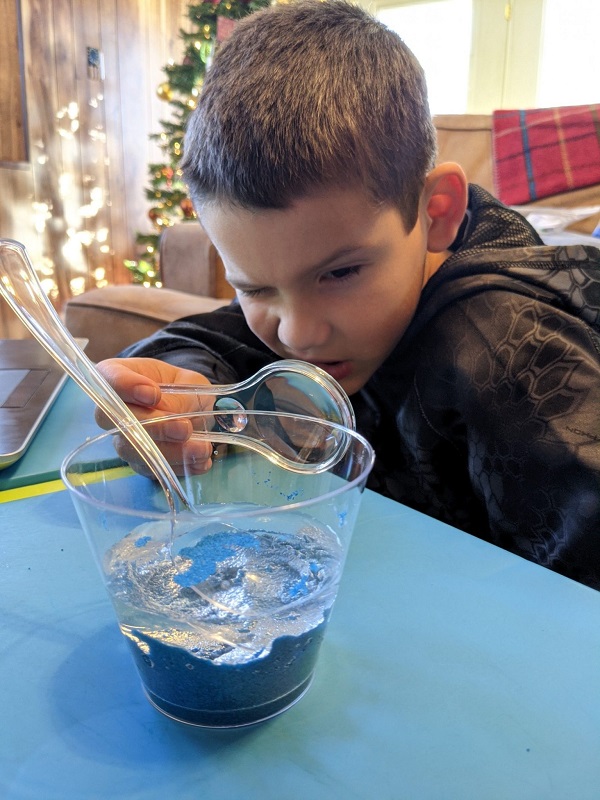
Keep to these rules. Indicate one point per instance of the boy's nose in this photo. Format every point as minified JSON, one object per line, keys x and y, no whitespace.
{"x":302,"y":330}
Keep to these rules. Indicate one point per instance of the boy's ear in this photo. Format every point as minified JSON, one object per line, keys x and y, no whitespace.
{"x":445,"y":198}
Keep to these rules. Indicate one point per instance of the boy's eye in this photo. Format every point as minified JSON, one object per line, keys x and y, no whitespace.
{"x":250,"y":292}
{"x":343,"y":273}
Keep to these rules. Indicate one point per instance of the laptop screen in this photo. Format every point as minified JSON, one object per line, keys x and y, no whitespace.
{"x":30,"y":381}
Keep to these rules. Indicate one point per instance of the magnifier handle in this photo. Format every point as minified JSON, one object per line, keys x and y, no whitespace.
{"x":306,"y":378}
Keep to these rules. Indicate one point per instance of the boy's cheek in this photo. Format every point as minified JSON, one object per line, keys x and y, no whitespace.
{"x":261,"y":325}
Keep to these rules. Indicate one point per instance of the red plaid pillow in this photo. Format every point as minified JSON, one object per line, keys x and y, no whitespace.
{"x":545,"y":151}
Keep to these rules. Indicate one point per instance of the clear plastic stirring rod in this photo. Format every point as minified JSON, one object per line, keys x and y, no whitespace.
{"x":20,"y":287}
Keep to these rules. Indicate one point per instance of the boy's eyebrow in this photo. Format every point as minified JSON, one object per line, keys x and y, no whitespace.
{"x":343,"y":252}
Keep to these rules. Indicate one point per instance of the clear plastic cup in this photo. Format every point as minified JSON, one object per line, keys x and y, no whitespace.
{"x":224,"y":607}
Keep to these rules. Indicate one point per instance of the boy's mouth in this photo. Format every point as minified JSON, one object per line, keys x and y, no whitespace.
{"x":337,"y":369}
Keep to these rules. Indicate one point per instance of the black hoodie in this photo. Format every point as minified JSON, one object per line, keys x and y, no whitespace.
{"x":486,"y":414}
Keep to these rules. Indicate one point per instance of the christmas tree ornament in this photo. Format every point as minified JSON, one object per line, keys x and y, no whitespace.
{"x":167,"y":173}
{"x":164,"y":91}
{"x":187,"y":207}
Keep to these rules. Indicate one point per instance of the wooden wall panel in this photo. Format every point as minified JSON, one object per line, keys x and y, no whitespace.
{"x":95,"y":213}
{"x":119,"y":239}
{"x":13,"y":147}
{"x":16,"y":196}
{"x":89,"y":138}
{"x":67,"y":123}
{"x":46,"y":153}
{"x":135,"y":87}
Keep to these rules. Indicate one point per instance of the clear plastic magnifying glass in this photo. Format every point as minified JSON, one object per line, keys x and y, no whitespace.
{"x":286,"y":387}
{"x":283,"y":388}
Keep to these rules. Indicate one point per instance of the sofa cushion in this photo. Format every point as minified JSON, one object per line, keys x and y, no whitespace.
{"x":114,"y":317}
{"x":467,"y":139}
{"x":189,"y":261}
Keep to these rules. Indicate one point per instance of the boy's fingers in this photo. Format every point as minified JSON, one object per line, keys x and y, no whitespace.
{"x":133,"y":386}
{"x":172,"y":430}
{"x":192,"y":458}
{"x":169,"y":430}
{"x":145,"y":394}
{"x":105,"y":422}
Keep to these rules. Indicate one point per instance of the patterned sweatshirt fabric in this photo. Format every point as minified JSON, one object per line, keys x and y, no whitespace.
{"x":486,"y":414}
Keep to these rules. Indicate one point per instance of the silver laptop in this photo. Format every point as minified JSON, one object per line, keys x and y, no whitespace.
{"x":30,"y":381}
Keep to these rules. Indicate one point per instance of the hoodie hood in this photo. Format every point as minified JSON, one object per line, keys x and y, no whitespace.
{"x":498,"y":249}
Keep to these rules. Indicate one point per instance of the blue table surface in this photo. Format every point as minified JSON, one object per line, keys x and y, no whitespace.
{"x":68,"y":424}
{"x":450,"y":669}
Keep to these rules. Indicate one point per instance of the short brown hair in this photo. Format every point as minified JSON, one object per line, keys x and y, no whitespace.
{"x":310,"y":95}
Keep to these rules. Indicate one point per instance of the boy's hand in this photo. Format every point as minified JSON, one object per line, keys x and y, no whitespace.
{"x":136,"y":381}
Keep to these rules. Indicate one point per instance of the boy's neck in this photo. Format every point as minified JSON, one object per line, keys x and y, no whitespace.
{"x":433,"y":261}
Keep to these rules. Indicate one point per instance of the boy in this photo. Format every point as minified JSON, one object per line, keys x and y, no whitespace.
{"x":470,"y":351}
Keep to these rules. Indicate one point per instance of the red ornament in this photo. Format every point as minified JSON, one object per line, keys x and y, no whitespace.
{"x":188,"y":208}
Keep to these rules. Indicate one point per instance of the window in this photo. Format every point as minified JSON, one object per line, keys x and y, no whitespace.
{"x":481,"y":55}
{"x":569,"y":71}
{"x":439,"y":34}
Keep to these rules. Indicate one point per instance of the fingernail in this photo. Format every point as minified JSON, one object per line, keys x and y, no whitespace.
{"x":145,"y":395}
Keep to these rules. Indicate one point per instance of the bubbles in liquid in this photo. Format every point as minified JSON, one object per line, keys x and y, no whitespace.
{"x":232,"y":423}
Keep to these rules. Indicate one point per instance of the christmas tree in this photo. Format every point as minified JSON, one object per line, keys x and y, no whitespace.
{"x":213,"y":21}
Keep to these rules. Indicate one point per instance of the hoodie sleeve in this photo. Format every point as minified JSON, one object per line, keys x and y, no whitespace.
{"x":219,"y":345}
{"x":513,"y":386}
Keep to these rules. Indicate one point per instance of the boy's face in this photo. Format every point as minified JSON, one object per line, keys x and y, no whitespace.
{"x":333,"y":280}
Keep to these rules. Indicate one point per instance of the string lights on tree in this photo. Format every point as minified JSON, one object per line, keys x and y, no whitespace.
{"x":213,"y":21}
